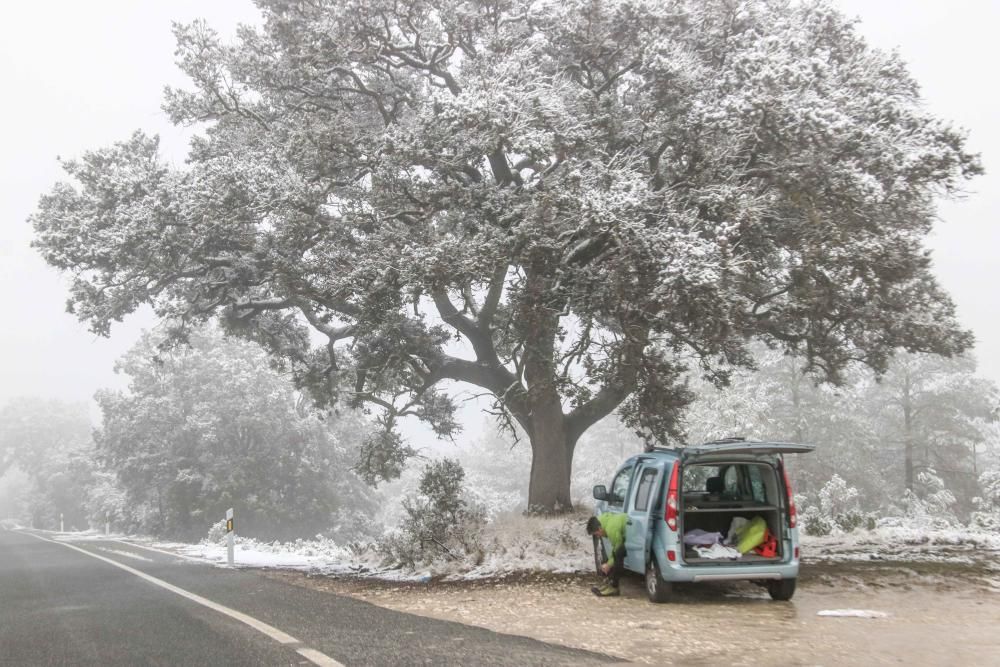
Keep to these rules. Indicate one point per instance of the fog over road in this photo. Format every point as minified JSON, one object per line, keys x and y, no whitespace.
{"x":64,"y":607}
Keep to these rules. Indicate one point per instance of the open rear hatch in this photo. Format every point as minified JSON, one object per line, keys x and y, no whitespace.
{"x":762,"y":494}
{"x":728,"y":448}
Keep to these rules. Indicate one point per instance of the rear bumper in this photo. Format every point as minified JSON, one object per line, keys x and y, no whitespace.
{"x":695,"y":573}
{"x":727,"y":570}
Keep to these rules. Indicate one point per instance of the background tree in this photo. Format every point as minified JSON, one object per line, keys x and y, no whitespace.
{"x":927,"y":414}
{"x":935,"y":412}
{"x":591,"y":196}
{"x":212,"y":426}
{"x":48,"y":442}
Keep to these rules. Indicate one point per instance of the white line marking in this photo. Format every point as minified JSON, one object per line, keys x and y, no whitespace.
{"x":162,"y":551}
{"x":127,"y":554}
{"x":314,"y":656}
{"x":317,"y":658}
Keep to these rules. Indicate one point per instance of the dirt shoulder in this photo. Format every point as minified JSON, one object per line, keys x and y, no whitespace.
{"x":936,"y":613}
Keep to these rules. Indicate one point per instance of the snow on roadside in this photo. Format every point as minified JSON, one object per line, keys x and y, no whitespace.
{"x":513,"y":544}
{"x":320,"y":555}
{"x":900,"y":543}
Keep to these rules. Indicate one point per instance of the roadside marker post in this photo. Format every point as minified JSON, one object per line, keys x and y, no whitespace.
{"x":61,"y":529}
{"x":230,"y":527}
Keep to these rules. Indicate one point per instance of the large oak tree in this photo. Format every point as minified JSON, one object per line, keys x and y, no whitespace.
{"x":591,"y":195}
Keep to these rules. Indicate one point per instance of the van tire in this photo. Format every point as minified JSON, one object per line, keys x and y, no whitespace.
{"x":600,"y":555}
{"x":657,"y":589}
{"x":781,"y":589}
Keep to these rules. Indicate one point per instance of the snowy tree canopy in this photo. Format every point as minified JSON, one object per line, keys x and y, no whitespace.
{"x":590,"y":195}
{"x":211,"y":426}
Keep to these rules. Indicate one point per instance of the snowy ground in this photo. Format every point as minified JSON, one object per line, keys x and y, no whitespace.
{"x":890,"y":596}
{"x":516,"y":545}
{"x":733,"y":624}
{"x":512,"y":544}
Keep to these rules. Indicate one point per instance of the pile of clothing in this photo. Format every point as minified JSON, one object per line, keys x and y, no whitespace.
{"x":744,"y":535}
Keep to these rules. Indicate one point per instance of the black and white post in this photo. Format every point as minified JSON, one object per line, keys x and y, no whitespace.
{"x":230,"y":536}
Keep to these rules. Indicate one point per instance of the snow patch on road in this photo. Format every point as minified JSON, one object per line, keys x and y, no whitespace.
{"x":853,"y":613}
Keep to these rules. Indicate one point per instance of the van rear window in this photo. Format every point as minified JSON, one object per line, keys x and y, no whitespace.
{"x":730,"y":481}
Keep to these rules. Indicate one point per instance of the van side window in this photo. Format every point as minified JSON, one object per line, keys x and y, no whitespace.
{"x":619,"y":487}
{"x":645,"y":489}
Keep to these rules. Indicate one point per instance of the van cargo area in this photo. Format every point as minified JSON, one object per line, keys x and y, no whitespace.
{"x":713,"y":495}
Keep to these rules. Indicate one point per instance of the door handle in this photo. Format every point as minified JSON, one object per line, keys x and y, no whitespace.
{"x":628,"y":523}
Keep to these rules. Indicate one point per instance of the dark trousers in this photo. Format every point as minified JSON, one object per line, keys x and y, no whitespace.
{"x":618,"y":566}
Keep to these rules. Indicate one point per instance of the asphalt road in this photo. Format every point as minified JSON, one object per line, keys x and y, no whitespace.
{"x":61,"y":606}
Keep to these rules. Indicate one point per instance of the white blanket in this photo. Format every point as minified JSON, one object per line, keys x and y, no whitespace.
{"x":717,"y":551}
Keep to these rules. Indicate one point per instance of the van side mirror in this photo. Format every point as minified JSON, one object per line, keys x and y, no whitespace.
{"x":600,"y":492}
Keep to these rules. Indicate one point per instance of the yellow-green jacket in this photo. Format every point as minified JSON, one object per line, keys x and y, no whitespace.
{"x":613,"y":524}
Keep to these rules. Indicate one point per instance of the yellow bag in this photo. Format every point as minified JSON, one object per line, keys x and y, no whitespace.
{"x":751,"y":535}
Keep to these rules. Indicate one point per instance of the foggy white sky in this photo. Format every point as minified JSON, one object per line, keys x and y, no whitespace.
{"x":80,"y":75}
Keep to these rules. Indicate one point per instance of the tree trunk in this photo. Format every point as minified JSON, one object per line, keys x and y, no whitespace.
{"x":551,"y":459}
{"x":908,"y":444}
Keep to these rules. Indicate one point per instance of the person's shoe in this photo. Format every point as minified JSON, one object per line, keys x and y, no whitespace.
{"x":605,"y":591}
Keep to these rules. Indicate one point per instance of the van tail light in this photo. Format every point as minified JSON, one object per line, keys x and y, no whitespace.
{"x":791,"y":498}
{"x":672,"y":499}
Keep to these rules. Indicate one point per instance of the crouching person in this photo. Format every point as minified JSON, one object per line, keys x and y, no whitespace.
{"x":611,"y":526}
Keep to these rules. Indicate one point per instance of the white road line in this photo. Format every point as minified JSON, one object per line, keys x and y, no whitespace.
{"x":127,"y":554}
{"x":314,"y":656}
{"x":162,"y":551}
{"x":317,"y":658}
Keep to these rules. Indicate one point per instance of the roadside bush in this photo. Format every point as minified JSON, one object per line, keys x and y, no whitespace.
{"x":439,"y":521}
{"x":987,"y":513}
{"x":836,"y":498}
{"x":814,"y":523}
{"x":838,"y":510}
{"x":852,"y":520}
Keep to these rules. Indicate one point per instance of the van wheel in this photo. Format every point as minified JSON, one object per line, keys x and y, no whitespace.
{"x":657,"y":589}
{"x":781,"y":589}
{"x":600,"y":555}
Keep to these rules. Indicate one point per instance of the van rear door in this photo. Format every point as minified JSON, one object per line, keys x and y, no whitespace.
{"x":728,"y":448}
{"x":641,"y":509}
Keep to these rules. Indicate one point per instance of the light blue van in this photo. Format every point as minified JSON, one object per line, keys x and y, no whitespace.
{"x":668,"y":493}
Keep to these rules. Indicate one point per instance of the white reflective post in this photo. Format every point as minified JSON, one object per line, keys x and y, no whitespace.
{"x":61,"y":529}
{"x":230,"y":527}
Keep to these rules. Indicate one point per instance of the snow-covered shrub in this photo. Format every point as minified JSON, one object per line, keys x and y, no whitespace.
{"x":814,"y":523}
{"x":439,"y":521}
{"x":989,"y":484}
{"x":836,"y":497}
{"x":923,"y":513}
{"x":937,"y":502}
{"x":217,"y":533}
{"x":987,"y":513}
{"x":838,"y":510}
